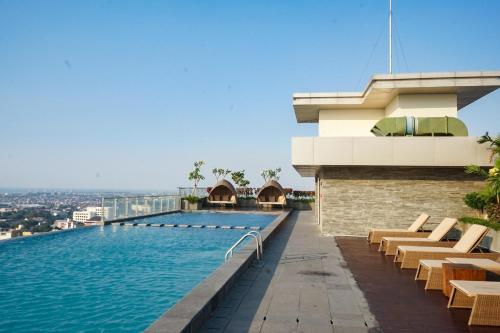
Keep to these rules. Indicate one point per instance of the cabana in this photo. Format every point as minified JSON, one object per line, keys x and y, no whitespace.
{"x":271,"y":194}
{"x":223,"y":193}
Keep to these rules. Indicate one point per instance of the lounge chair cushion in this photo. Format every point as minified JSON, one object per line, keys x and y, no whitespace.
{"x":474,"y":288}
{"x":471,"y":238}
{"x":404,"y":248}
{"x":419,"y":222}
{"x":407,"y":239}
{"x":432,"y":263}
{"x":395,"y":230}
{"x":442,"y":229}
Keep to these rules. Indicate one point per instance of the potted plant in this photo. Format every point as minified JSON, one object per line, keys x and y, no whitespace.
{"x":302,"y":200}
{"x":193,"y":202}
{"x":245,"y":194}
{"x":271,"y":174}
{"x":220,"y":173}
{"x":487,"y":201}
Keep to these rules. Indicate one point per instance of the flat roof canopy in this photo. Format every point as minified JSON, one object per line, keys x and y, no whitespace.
{"x":382,"y":88}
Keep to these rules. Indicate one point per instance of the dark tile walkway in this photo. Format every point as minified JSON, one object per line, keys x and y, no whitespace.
{"x":302,"y":285}
{"x":400,"y":303}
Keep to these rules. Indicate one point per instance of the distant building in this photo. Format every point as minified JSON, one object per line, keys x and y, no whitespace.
{"x":24,"y":206}
{"x":88,"y":213}
{"x":92,"y":221}
{"x":64,"y":224}
{"x":82,"y":216}
{"x":9,"y":233}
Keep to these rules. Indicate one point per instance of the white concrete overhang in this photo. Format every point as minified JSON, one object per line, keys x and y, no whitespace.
{"x":309,"y":154}
{"x":382,"y":88}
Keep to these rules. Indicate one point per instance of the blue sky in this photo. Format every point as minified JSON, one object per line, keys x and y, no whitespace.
{"x":127,"y":94}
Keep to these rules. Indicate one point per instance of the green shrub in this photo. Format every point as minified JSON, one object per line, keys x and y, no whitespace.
{"x":306,"y":200}
{"x":474,"y":220}
{"x":192,"y":199}
{"x":476,"y":200}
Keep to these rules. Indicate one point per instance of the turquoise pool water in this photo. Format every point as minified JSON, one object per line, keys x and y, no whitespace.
{"x":113,"y":278}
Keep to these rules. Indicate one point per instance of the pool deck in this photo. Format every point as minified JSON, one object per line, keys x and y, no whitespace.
{"x":400,"y":304}
{"x":301,"y":285}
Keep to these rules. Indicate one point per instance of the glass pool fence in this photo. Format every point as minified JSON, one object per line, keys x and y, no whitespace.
{"x":117,"y":208}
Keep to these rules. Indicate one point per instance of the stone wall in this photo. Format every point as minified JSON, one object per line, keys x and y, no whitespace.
{"x":355,"y":199}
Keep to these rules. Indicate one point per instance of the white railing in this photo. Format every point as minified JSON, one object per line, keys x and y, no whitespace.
{"x":258,"y":244}
{"x":200,"y":192}
{"x":117,"y":208}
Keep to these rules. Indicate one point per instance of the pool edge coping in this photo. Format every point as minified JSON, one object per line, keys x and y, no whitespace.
{"x":189,"y":314}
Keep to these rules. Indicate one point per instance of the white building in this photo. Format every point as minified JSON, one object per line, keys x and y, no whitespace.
{"x":96,"y":210}
{"x":88,"y":213}
{"x":9,"y":233}
{"x":396,"y":149}
{"x":64,"y":224}
{"x":82,"y":216}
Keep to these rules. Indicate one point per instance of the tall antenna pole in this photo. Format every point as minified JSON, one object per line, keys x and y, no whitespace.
{"x":390,"y":36}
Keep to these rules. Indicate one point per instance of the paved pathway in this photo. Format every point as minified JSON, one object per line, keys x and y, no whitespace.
{"x":302,"y":285}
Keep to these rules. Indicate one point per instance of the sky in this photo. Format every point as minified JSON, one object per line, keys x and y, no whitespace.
{"x":128,"y":94}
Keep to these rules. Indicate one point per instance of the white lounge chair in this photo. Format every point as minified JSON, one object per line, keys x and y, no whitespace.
{"x":390,"y":244}
{"x":375,"y":235}
{"x":409,"y":256}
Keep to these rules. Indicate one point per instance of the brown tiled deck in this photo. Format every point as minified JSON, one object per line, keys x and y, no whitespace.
{"x":399,"y":303}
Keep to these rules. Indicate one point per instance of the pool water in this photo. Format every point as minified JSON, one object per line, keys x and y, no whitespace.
{"x":212,"y":218}
{"x":112,"y":278}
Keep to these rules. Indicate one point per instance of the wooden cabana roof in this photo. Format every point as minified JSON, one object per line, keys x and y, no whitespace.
{"x":222,"y":192}
{"x":271,"y":193}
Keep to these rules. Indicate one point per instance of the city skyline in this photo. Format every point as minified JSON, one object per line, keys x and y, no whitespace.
{"x":123,"y":96}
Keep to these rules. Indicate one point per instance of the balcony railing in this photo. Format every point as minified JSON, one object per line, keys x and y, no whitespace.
{"x":199,"y":192}
{"x":119,"y":208}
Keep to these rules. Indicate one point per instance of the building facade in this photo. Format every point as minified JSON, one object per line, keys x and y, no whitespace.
{"x":384,"y":155}
{"x":82,"y":216}
{"x":89,"y":213}
{"x":9,"y":233}
{"x":64,"y":224}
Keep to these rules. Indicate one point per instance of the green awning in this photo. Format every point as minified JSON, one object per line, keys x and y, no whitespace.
{"x":420,"y":126}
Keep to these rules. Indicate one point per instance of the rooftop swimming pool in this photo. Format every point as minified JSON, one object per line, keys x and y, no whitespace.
{"x":112,"y":278}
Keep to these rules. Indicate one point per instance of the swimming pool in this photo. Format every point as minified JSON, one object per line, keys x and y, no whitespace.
{"x":112,"y":278}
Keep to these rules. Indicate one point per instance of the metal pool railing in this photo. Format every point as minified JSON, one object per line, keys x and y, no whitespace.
{"x":118,"y":208}
{"x":258,"y":244}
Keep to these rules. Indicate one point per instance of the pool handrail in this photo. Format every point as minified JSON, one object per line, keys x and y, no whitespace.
{"x":258,"y":239}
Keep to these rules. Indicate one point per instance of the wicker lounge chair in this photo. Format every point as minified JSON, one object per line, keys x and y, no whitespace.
{"x":409,"y":256}
{"x":483,"y":297}
{"x":390,"y":244}
{"x":431,"y":271}
{"x":375,"y":235}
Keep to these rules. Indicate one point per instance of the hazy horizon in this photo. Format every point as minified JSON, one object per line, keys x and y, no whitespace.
{"x":127,"y":95}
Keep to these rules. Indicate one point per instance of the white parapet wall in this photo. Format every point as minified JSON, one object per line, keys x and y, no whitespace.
{"x":310,"y":153}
